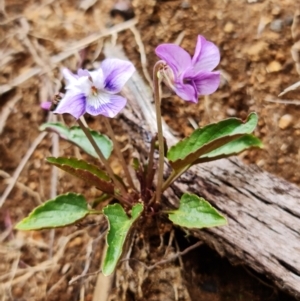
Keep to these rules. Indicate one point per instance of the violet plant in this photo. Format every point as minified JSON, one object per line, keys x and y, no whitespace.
{"x":96,"y":93}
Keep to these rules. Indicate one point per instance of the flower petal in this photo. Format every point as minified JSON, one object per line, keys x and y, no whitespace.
{"x":73,"y":104}
{"x":83,"y":72}
{"x":46,"y":105}
{"x":207,"y":55}
{"x":207,"y":82}
{"x":116,"y":73}
{"x":105,"y":104}
{"x":186,"y":92}
{"x":82,"y":85}
{"x":77,"y":83}
{"x":97,"y":78}
{"x":176,"y":57}
{"x":70,"y":78}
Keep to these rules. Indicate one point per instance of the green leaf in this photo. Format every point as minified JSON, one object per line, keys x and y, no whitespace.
{"x":195,"y":212}
{"x":231,"y":148}
{"x":119,"y":225}
{"x":64,"y":210}
{"x":209,"y":138}
{"x":85,"y":171}
{"x":76,"y":136}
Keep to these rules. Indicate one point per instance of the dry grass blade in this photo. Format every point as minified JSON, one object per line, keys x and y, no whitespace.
{"x":21,"y":186}
{"x":72,"y":50}
{"x":290,"y":88}
{"x":21,"y":275}
{"x":7,"y":110}
{"x":143,"y":57}
{"x":285,"y":101}
{"x":22,"y":164}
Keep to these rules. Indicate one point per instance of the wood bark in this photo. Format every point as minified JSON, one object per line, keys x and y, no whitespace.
{"x":263,"y":211}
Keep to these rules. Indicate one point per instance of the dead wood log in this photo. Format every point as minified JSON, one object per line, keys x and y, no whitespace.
{"x":263,"y":211}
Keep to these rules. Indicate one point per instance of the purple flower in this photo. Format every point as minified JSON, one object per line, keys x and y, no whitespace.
{"x":190,"y":77}
{"x":94,"y":92}
{"x":46,"y":105}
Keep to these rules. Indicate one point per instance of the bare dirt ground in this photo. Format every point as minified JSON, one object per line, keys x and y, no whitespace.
{"x":37,"y":37}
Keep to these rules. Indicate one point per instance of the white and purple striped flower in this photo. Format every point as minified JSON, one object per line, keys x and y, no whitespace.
{"x":94,"y":92}
{"x":190,"y":77}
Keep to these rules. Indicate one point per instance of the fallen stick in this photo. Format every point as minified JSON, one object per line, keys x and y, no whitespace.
{"x":263,"y":210}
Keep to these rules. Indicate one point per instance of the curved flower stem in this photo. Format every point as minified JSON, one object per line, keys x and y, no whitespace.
{"x":157,"y":99}
{"x":112,"y":136}
{"x":101,"y":157}
{"x":150,"y":169}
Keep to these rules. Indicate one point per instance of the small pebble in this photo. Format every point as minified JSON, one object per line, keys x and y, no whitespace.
{"x":276,"y":25}
{"x":274,"y":66}
{"x":284,"y":147}
{"x":32,"y":185}
{"x":185,"y":4}
{"x":276,"y":11}
{"x":260,"y":163}
{"x":229,"y":27}
{"x":231,"y":112}
{"x":285,"y":121}
{"x":256,"y":50}
{"x":288,"y":21}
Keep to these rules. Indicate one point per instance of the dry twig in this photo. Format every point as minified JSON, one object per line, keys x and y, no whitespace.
{"x":103,"y":284}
